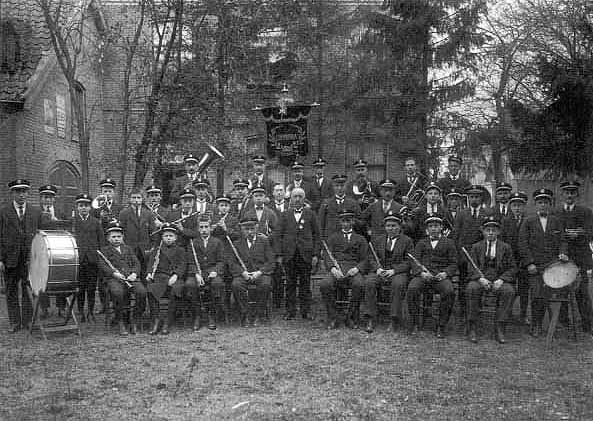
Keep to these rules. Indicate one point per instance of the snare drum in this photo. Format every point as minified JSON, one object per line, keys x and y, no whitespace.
{"x":560,"y":274}
{"x":53,"y":266}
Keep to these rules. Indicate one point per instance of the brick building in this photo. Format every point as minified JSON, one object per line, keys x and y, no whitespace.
{"x":37,"y":130}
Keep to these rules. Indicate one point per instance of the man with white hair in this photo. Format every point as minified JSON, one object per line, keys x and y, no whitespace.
{"x":298,"y":249}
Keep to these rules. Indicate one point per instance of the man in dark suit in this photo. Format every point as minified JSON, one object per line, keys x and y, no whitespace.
{"x":392,"y":268}
{"x":186,"y":217}
{"x":298,"y":248}
{"x":502,"y":195}
{"x":138,"y":223}
{"x":347,"y":265}
{"x":413,"y":180}
{"x":18,"y":224}
{"x":541,"y":242}
{"x":242,"y":201}
{"x":260,"y":178}
{"x":89,"y":237}
{"x":495,"y":271}
{"x":578,"y":229}
{"x":154,"y":196}
{"x":51,"y":219}
{"x":433,"y":205}
{"x":372,"y":217}
{"x":254,"y":267}
{"x":186,"y":181}
{"x":438,"y":256}
{"x":108,"y":209}
{"x":323,"y":186}
{"x":362,"y":189}
{"x":279,"y":203}
{"x":330,"y":208}
{"x":511,"y":225}
{"x":468,"y":231}
{"x":209,"y":253}
{"x":453,"y":208}
{"x":267,"y":221}
{"x":311,"y":193}
{"x":452,"y":179}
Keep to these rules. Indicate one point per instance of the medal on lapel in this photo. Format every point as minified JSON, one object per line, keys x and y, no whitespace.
{"x":301,"y":226}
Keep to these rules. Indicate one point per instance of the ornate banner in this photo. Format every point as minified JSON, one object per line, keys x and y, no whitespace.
{"x":286,"y":130}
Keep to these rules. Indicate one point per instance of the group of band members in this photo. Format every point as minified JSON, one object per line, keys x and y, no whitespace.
{"x":368,"y":234}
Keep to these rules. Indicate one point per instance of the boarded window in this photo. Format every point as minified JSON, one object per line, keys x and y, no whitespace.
{"x":67,"y":179}
{"x":372,"y":151}
{"x":9,"y":48}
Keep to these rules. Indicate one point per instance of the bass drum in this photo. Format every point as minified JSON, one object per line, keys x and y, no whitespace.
{"x":560,"y":274}
{"x":53,"y":266}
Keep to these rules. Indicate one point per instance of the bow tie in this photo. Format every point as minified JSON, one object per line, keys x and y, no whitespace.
{"x":299,"y":210}
{"x":543,"y":214}
{"x":259,"y":208}
{"x":434,"y":238}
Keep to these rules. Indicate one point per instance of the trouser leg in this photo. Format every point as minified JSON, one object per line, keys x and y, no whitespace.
{"x":399,"y":283}
{"x":504,"y":302}
{"x":369,"y":303}
{"x":414,"y":295}
{"x":447,"y":293}
{"x":327,"y":287}
{"x":473,"y":297}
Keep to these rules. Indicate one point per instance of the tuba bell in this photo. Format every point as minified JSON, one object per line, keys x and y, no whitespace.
{"x":208,"y":158}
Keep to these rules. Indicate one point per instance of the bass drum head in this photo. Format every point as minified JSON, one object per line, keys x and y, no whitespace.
{"x":38,"y":264}
{"x":560,"y":274}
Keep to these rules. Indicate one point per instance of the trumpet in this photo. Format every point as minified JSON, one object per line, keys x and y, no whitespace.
{"x":99,"y":202}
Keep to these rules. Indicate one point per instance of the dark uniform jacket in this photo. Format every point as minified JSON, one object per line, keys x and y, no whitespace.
{"x":16,"y":235}
{"x":89,"y":238}
{"x":538,"y":247}
{"x":268,"y":223}
{"x":467,"y":230}
{"x":232,"y":227}
{"x":348,"y":253}
{"x":259,"y":257}
{"x":211,"y":259}
{"x":443,"y":258}
{"x":421,"y":213}
{"x":180,"y":184}
{"x":325,"y":191}
{"x":506,"y":269}
{"x":125,"y":262}
{"x":578,"y":248}
{"x":447,"y":183}
{"x":397,"y":259}
{"x":372,"y":216}
{"x":372,"y":186}
{"x":510,"y":228}
{"x":302,"y":236}
{"x":137,"y":230}
{"x":328,"y":214}
{"x":107,"y":214}
{"x":266,"y":183}
{"x":403,"y":186}
{"x":61,"y":221}
{"x":172,"y":261}
{"x":190,"y":227}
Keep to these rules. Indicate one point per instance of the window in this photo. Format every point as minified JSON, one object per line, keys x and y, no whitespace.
{"x":67,"y":179}
{"x":9,"y":48}
{"x":370,"y":150}
{"x":80,"y":95}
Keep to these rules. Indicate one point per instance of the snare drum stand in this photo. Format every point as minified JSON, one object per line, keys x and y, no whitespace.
{"x":555,"y":303}
{"x":63,"y":326}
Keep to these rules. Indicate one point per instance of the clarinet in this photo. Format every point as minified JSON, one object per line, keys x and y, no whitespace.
{"x":155,"y":264}
{"x":375,"y":255}
{"x":333,"y":260}
{"x":113,"y":268}
{"x":199,"y":272}
{"x":236,"y":253}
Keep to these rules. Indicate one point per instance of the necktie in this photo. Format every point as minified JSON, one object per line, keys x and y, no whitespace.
{"x":474,"y":212}
{"x":434,"y":208}
{"x":250,"y":242}
{"x":518,"y":221}
{"x":504,"y":210}
{"x":339,"y":200}
{"x":138,"y":210}
{"x":47,"y":209}
{"x":346,"y":235}
{"x":385,"y":207}
{"x":489,"y":251}
{"x":21,"y":211}
{"x":319,"y":181}
{"x":391,"y":243}
{"x":205,"y":244}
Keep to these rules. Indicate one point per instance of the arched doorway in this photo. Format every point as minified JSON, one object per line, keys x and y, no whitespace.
{"x":67,"y":179}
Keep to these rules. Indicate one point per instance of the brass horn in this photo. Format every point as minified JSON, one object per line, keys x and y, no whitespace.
{"x":210,"y":156}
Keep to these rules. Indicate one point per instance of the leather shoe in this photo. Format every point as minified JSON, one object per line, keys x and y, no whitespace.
{"x":413,"y":329}
{"x":133,"y":328}
{"x":244,"y":321}
{"x":500,"y":333}
{"x":394,"y":324}
{"x":370,"y":327}
{"x":473,"y":337}
{"x":535,"y":330}
{"x":289,"y":316}
{"x":440,"y":332}
{"x":122,"y":329}
{"x":211,"y":323}
{"x":165,"y":329}
{"x":155,"y":328}
{"x":333,"y":324}
{"x":256,"y":322}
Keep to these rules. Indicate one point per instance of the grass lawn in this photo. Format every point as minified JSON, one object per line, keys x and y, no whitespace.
{"x":292,"y":370}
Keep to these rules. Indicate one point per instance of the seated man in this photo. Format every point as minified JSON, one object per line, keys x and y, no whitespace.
{"x":346,"y":257}
{"x":389,"y":264}
{"x":495,"y":270}
{"x":435,"y":259}
{"x":252,"y":262}
{"x":206,"y":265}
{"x":120,"y":268}
{"x":166,"y":265}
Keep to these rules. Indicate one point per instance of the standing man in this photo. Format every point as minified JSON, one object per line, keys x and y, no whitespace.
{"x":187,"y":180}
{"x":298,"y":248}
{"x":452,"y":179}
{"x":138,"y":223}
{"x":311,"y":193}
{"x":541,"y":242}
{"x":242,"y":201}
{"x":362,"y":189}
{"x":154,"y":196}
{"x":267,"y":221}
{"x":453,"y":208}
{"x":413,"y":178}
{"x":373,"y":216}
{"x":108,"y":209}
{"x":511,"y":226}
{"x":392,"y":268}
{"x":495,"y":272}
{"x":578,"y":230}
{"x":433,"y":206}
{"x":259,"y":177}
{"x":51,"y":220}
{"x":187,"y":219}
{"x":18,"y":224}
{"x":323,"y":186}
{"x":502,"y":196}
{"x":331,"y":208}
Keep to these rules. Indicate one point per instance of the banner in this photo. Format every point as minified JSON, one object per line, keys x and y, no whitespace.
{"x":287,"y":135}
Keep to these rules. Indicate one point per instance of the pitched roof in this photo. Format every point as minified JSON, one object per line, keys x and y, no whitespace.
{"x":33,"y":40}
